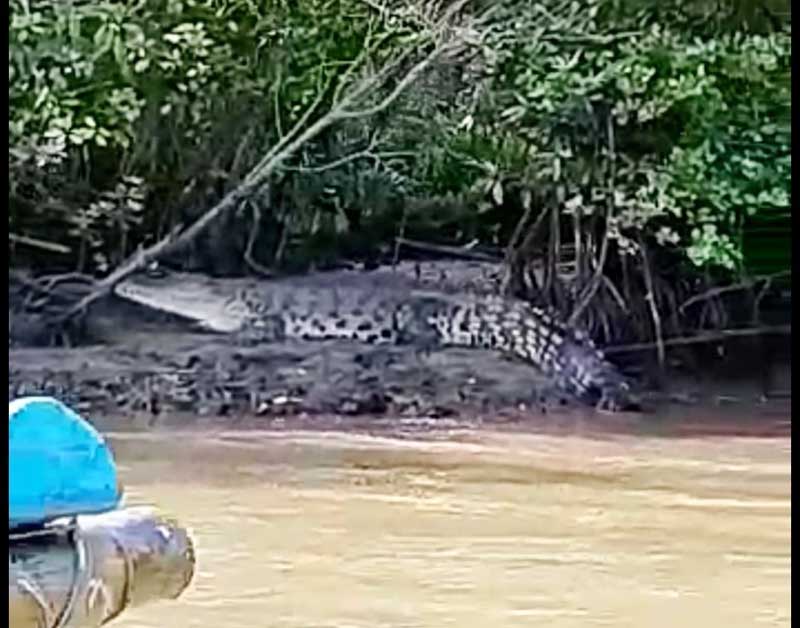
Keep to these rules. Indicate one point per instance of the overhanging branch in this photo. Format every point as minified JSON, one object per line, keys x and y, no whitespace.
{"x":288,"y":145}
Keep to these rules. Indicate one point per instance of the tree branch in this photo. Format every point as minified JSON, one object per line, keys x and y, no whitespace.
{"x":744,"y":285}
{"x":597,"y":277}
{"x":284,"y":148}
{"x":407,"y":80}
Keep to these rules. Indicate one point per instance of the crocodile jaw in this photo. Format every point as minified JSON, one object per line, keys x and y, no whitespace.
{"x":211,"y":311}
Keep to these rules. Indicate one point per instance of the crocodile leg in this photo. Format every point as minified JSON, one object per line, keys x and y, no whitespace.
{"x":414,"y":327}
{"x":264,"y":329}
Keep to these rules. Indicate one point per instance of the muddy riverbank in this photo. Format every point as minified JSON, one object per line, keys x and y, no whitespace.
{"x":154,"y":377}
{"x":133,"y":362}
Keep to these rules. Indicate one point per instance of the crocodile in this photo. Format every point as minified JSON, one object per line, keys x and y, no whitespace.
{"x":380,"y":307}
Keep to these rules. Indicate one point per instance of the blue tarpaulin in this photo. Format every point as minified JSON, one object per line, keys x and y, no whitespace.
{"x":58,"y":464}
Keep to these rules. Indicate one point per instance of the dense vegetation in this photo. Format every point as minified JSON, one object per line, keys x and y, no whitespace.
{"x":607,"y":149}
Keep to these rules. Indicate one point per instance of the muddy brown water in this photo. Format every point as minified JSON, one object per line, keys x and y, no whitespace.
{"x":505,"y":525}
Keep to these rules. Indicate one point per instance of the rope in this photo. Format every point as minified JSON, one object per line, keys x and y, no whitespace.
{"x":127,"y":593}
{"x":72,"y":596}
{"x":61,"y":528}
{"x":81,"y":560}
{"x":35,"y":592}
{"x":80,"y":555}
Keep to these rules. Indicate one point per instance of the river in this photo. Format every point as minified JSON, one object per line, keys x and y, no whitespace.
{"x":470,"y":527}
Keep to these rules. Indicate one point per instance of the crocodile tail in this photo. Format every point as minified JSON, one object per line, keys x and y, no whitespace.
{"x":582,"y":371}
{"x":570,"y":357}
{"x":539,"y":337}
{"x":566,"y":356}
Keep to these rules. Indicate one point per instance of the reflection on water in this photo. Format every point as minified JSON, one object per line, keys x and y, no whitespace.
{"x":304,"y":530}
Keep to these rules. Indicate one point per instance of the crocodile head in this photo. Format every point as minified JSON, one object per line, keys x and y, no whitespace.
{"x":215,"y":306}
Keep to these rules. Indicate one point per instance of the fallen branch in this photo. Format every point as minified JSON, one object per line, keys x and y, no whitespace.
{"x":53,"y":247}
{"x":137,"y":261}
{"x":703,"y":338}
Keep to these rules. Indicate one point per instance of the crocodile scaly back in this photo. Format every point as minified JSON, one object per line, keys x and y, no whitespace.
{"x":515,"y":328}
{"x":378,"y":308}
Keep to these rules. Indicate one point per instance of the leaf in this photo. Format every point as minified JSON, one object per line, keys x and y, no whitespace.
{"x":101,"y":37}
{"x":341,"y":222}
{"x":497,"y":192}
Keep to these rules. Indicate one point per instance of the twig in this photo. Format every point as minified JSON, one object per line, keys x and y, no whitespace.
{"x":369,"y":84}
{"x":49,"y":283}
{"x":366,"y":84}
{"x":39,"y":244}
{"x":46,"y":283}
{"x":135,"y":262}
{"x":443,"y":249}
{"x":285,"y":148}
{"x":283,"y":241}
{"x":703,"y":338}
{"x":401,"y":231}
{"x":248,"y":253}
{"x":362,"y":154}
{"x":584,"y":40}
{"x":553,"y":253}
{"x":365,"y":153}
{"x":744,"y":285}
{"x":399,"y":88}
{"x":237,"y":157}
{"x":530,"y":238}
{"x":512,"y":253}
{"x":42,"y":289}
{"x":576,"y":228}
{"x":651,"y":301}
{"x":384,"y":11}
{"x":276,"y":103}
{"x":511,"y":249}
{"x":24,"y":279}
{"x":615,"y":293}
{"x":758,"y":298}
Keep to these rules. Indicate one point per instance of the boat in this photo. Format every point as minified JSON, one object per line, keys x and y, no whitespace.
{"x":76,"y":556}
{"x":58,"y":466}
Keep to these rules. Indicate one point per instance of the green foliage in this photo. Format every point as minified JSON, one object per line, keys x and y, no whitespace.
{"x":662,"y":119}
{"x":86,"y":72}
{"x":181,"y":93}
{"x":657,"y":115}
{"x":733,"y":162}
